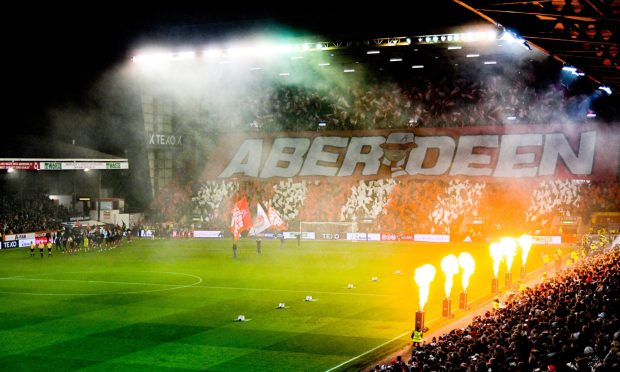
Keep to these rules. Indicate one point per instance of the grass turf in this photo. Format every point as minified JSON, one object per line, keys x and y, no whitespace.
{"x":171,"y":304}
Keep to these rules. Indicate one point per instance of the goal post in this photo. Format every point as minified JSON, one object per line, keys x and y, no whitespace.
{"x":326,"y":230}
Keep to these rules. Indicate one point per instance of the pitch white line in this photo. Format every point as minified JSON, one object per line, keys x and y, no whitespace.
{"x":91,"y":281}
{"x":366,"y":352}
{"x":170,"y":287}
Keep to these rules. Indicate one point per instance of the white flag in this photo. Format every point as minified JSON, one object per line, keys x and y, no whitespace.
{"x":261,"y":222}
{"x":275,"y":219}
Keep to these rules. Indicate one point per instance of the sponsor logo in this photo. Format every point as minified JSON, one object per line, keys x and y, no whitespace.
{"x":165,"y":139}
{"x":10,"y":244}
{"x":389,"y":237}
{"x":52,"y":165}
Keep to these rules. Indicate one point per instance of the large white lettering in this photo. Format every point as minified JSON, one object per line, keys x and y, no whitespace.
{"x":444,"y":144}
{"x":247,"y":159}
{"x":523,"y":155}
{"x":313,"y":167}
{"x":370,"y":159}
{"x":556,"y":146}
{"x":465,"y":156}
{"x":510,"y":163}
{"x":285,"y":158}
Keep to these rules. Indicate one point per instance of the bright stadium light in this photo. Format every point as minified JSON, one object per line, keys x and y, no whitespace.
{"x":323,"y":64}
{"x":373,"y":52}
{"x":490,"y":62}
{"x":349,"y":70}
{"x":417,"y":66}
{"x":455,"y":47}
{"x":184,"y":56}
{"x":396,"y":59}
{"x":152,"y":59}
{"x":473,"y":55}
{"x":572,"y":70}
{"x":212,"y":53}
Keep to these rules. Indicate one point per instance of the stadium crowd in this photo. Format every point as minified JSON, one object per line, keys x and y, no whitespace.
{"x":568,"y":323}
{"x":428,"y":206}
{"x":466,"y":98}
{"x":31,"y":213}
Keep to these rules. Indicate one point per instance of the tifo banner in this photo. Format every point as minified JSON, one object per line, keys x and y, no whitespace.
{"x":586,"y":151}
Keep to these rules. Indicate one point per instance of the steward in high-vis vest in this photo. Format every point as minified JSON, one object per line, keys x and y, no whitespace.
{"x":416,"y":337}
{"x":496,"y":303}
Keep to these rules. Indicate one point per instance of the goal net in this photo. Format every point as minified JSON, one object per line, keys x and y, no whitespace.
{"x":326,"y":230}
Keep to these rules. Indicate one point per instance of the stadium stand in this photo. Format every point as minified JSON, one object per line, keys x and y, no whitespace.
{"x":31,"y":213}
{"x":570,"y":323}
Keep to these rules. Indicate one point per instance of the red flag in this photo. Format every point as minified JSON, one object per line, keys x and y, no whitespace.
{"x":241,"y":219}
{"x":275,"y":219}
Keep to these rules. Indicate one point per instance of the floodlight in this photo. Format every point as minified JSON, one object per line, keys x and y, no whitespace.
{"x":212,"y":53}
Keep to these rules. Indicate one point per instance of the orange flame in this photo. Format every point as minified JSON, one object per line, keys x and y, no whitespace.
{"x":497,"y":254}
{"x":466,"y":261}
{"x":423,"y":277}
{"x":509,"y":246}
{"x":450,"y":267}
{"x":525,"y":241}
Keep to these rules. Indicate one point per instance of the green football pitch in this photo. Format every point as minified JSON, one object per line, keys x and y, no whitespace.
{"x":172,"y":304}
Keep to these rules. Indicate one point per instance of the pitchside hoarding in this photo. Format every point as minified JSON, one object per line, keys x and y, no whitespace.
{"x":585,"y":151}
{"x":63,"y":165}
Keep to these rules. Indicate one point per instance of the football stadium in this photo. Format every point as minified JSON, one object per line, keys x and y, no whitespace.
{"x":421,"y":194}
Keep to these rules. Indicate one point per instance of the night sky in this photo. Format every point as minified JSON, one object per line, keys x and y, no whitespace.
{"x":56,"y":52}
